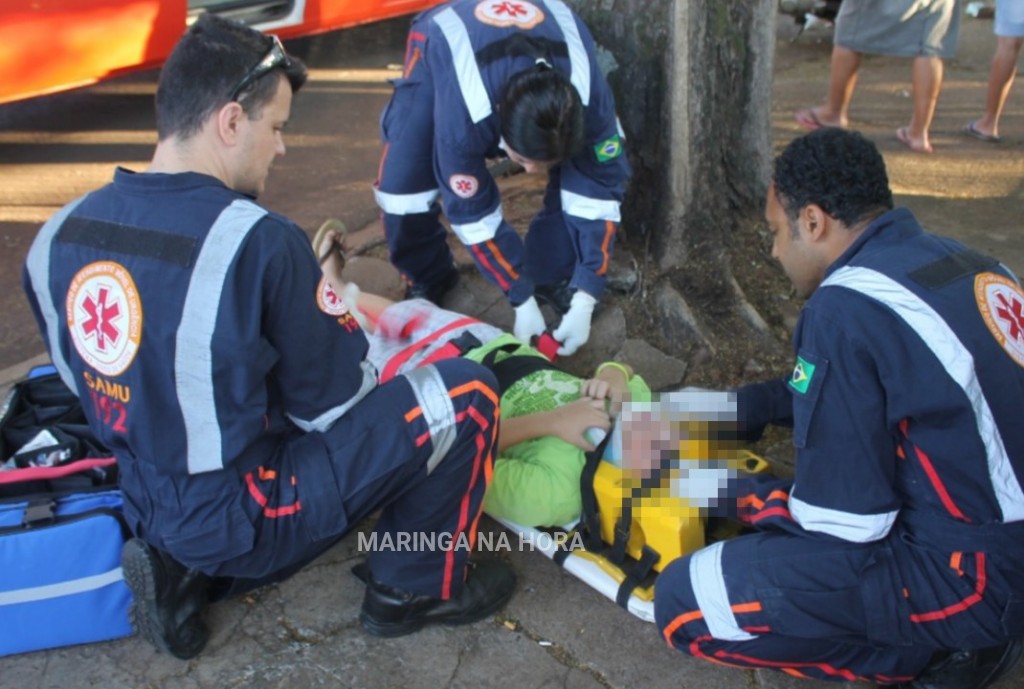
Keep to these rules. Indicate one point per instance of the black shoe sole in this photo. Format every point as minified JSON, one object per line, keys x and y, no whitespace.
{"x":140,"y":575}
{"x":390,"y":630}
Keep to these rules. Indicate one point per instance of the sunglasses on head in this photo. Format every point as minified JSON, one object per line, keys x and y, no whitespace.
{"x":275,"y":57}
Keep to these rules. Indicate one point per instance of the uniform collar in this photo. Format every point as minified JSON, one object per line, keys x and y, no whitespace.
{"x":892,"y":227}
{"x":129,"y":180}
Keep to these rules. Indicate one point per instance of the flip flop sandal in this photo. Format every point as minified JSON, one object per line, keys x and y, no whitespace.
{"x":808,"y":119}
{"x":971,"y":130}
{"x":334,"y":231}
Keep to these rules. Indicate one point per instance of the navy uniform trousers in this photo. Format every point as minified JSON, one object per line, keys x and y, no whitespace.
{"x":829,"y":609}
{"x":380,"y":454}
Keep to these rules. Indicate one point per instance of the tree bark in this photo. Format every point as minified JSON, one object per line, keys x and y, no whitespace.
{"x":692,"y":81}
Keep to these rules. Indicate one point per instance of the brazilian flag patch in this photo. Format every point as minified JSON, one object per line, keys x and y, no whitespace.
{"x":609,"y":149}
{"x":803,"y":373}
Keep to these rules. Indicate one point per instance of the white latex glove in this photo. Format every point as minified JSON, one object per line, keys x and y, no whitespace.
{"x":574,"y":330}
{"x":529,"y":320}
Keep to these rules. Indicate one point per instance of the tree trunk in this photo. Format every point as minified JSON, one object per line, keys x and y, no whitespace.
{"x":692,"y":81}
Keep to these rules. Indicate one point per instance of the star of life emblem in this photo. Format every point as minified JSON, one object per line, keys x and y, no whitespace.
{"x":505,"y":13}
{"x":329,"y":301}
{"x":464,"y":185}
{"x":104,"y":316}
{"x":1001,"y":304}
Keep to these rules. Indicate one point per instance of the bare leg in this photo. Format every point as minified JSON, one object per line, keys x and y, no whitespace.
{"x":1000,"y":81}
{"x":842,"y":81}
{"x":332,"y":264}
{"x":926,"y":84}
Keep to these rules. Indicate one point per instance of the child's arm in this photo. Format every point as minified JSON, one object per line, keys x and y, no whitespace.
{"x":610,"y":381}
{"x":567,"y":422}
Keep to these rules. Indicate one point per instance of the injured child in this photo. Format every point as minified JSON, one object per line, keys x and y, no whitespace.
{"x":545,"y":412}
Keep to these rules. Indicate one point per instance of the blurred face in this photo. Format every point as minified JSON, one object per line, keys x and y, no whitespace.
{"x":261,"y":140}
{"x":530,"y":166}
{"x":797,"y":250}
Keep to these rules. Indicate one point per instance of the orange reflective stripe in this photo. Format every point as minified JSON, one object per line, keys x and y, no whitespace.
{"x":609,"y":232}
{"x":954,"y":562}
{"x":678,"y":622}
{"x":500,"y":258}
{"x":482,"y":260}
{"x":755,"y":606}
{"x":973,"y":599}
{"x":380,"y":167}
{"x":261,"y":500}
{"x":267,"y":474}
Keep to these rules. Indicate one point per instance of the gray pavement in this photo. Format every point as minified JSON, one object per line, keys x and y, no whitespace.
{"x":556,"y":631}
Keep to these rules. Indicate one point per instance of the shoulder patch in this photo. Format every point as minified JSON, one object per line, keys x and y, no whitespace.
{"x":803,"y":375}
{"x":328,"y":300}
{"x":609,"y":149}
{"x":504,"y":13}
{"x":1001,"y":304}
{"x":104,"y":315}
{"x":465,"y":186}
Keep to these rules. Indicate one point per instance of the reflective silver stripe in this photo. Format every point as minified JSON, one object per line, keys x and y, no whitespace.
{"x":64,"y":588}
{"x":580,"y":77}
{"x":467,"y":72}
{"x":589,"y":208}
{"x":405,"y":204}
{"x":619,"y":129}
{"x":438,"y":410}
{"x":193,"y":355}
{"x":857,"y":528}
{"x":324,"y":421}
{"x":38,"y":264}
{"x":959,"y":364}
{"x":482,"y":230}
{"x":712,"y":597}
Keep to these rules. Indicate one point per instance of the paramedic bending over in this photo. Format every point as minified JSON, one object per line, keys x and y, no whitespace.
{"x":256,"y":434}
{"x":516,"y":78}
{"x":896,"y":554}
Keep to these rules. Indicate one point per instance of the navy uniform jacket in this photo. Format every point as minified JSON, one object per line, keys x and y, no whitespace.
{"x":191,"y":323}
{"x":905,"y":399}
{"x":470,"y":60}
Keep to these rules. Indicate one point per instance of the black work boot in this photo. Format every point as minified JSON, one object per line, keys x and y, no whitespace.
{"x":968,"y":669}
{"x":168,"y":600}
{"x":558,"y":296}
{"x":435,"y":291}
{"x":390,"y":612}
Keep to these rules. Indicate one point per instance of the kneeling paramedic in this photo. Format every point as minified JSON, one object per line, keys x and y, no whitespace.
{"x":896,"y":553}
{"x":250,"y":431}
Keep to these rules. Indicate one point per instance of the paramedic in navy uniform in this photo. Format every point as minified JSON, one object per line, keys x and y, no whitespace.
{"x":232,"y":385}
{"x":516,"y":78}
{"x":896,"y":554}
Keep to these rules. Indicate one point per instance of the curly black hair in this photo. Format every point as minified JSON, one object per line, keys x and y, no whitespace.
{"x":839,"y":170}
{"x":209,"y":60}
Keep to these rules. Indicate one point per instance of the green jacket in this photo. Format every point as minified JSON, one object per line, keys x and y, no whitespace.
{"x":537,"y":482}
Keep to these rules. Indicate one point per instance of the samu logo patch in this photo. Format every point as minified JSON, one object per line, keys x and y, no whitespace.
{"x":104,"y":316}
{"x":1001,"y":304}
{"x":329,"y":301}
{"x":504,"y":13}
